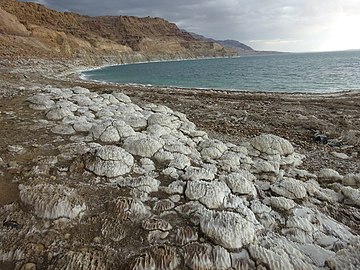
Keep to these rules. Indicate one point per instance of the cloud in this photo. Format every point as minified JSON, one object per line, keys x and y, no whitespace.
{"x":290,"y":25}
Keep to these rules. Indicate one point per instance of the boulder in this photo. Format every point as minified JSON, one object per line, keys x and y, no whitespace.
{"x":212,"y":149}
{"x":82,"y":126}
{"x":180,"y":161}
{"x":351,"y":179}
{"x":340,"y":155}
{"x":63,"y":129}
{"x":263,"y":166}
{"x":164,"y":120}
{"x":80,"y":90}
{"x":82,"y":100}
{"x":121,"y":97}
{"x":136,"y":120}
{"x":352,"y":195}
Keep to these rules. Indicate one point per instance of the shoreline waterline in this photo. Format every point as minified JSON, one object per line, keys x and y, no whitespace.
{"x":223,"y":91}
{"x":193,"y":124}
{"x":227,"y":91}
{"x":82,"y":76}
{"x":283,"y":73}
{"x":212,"y":90}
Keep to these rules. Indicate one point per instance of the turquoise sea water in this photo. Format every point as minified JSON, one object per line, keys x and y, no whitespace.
{"x":303,"y":72}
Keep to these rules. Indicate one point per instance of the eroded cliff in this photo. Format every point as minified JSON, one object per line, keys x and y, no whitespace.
{"x":30,"y":29}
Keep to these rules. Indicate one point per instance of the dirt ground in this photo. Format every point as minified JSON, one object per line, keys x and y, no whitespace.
{"x":325,"y":128}
{"x":317,"y":124}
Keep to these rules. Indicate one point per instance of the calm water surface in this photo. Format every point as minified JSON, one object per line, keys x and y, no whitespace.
{"x":305,"y":72}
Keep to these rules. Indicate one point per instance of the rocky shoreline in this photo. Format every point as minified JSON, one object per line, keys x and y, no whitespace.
{"x":109,"y":176}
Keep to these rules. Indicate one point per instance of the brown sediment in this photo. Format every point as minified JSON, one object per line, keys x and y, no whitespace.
{"x":8,"y":191}
{"x":233,"y":116}
{"x":228,"y":116}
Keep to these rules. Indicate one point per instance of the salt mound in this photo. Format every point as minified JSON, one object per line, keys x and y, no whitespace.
{"x":53,"y":201}
{"x":170,"y":197}
{"x":228,"y":229}
{"x":271,"y":144}
{"x":110,"y":161}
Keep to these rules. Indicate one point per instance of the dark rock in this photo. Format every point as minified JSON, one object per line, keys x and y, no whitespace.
{"x":11,"y":224}
{"x":320,"y":138}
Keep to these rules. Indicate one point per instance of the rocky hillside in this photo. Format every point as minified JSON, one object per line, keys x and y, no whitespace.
{"x":237,"y":46}
{"x":234,"y":44}
{"x":30,"y":29}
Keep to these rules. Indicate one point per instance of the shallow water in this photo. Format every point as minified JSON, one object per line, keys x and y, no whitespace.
{"x":305,"y":72}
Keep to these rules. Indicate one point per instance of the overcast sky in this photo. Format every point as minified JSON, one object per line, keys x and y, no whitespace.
{"x":282,"y":25}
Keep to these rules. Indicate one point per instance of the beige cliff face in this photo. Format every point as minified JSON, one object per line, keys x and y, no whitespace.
{"x":29,"y":29}
{"x":10,"y":25}
{"x":57,"y":42}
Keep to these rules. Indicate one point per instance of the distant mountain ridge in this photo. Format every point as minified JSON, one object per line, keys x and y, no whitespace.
{"x":241,"y":48}
{"x":226,"y":43}
{"x":229,"y":43}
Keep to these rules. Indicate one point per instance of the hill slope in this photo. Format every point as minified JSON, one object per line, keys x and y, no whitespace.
{"x":240,"y":48}
{"x":30,"y":29}
{"x":234,"y":44}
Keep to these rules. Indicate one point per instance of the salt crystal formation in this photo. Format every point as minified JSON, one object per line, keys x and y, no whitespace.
{"x":110,"y":161}
{"x":160,"y":257}
{"x":227,"y":229}
{"x":144,"y":146}
{"x":53,"y":201}
{"x":143,"y":181}
{"x":111,"y":130}
{"x":272,"y":145}
{"x":83,"y":260}
{"x":129,"y":209}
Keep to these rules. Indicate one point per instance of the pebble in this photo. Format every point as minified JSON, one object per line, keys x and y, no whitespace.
{"x":15,"y":148}
{"x":340,"y":155}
